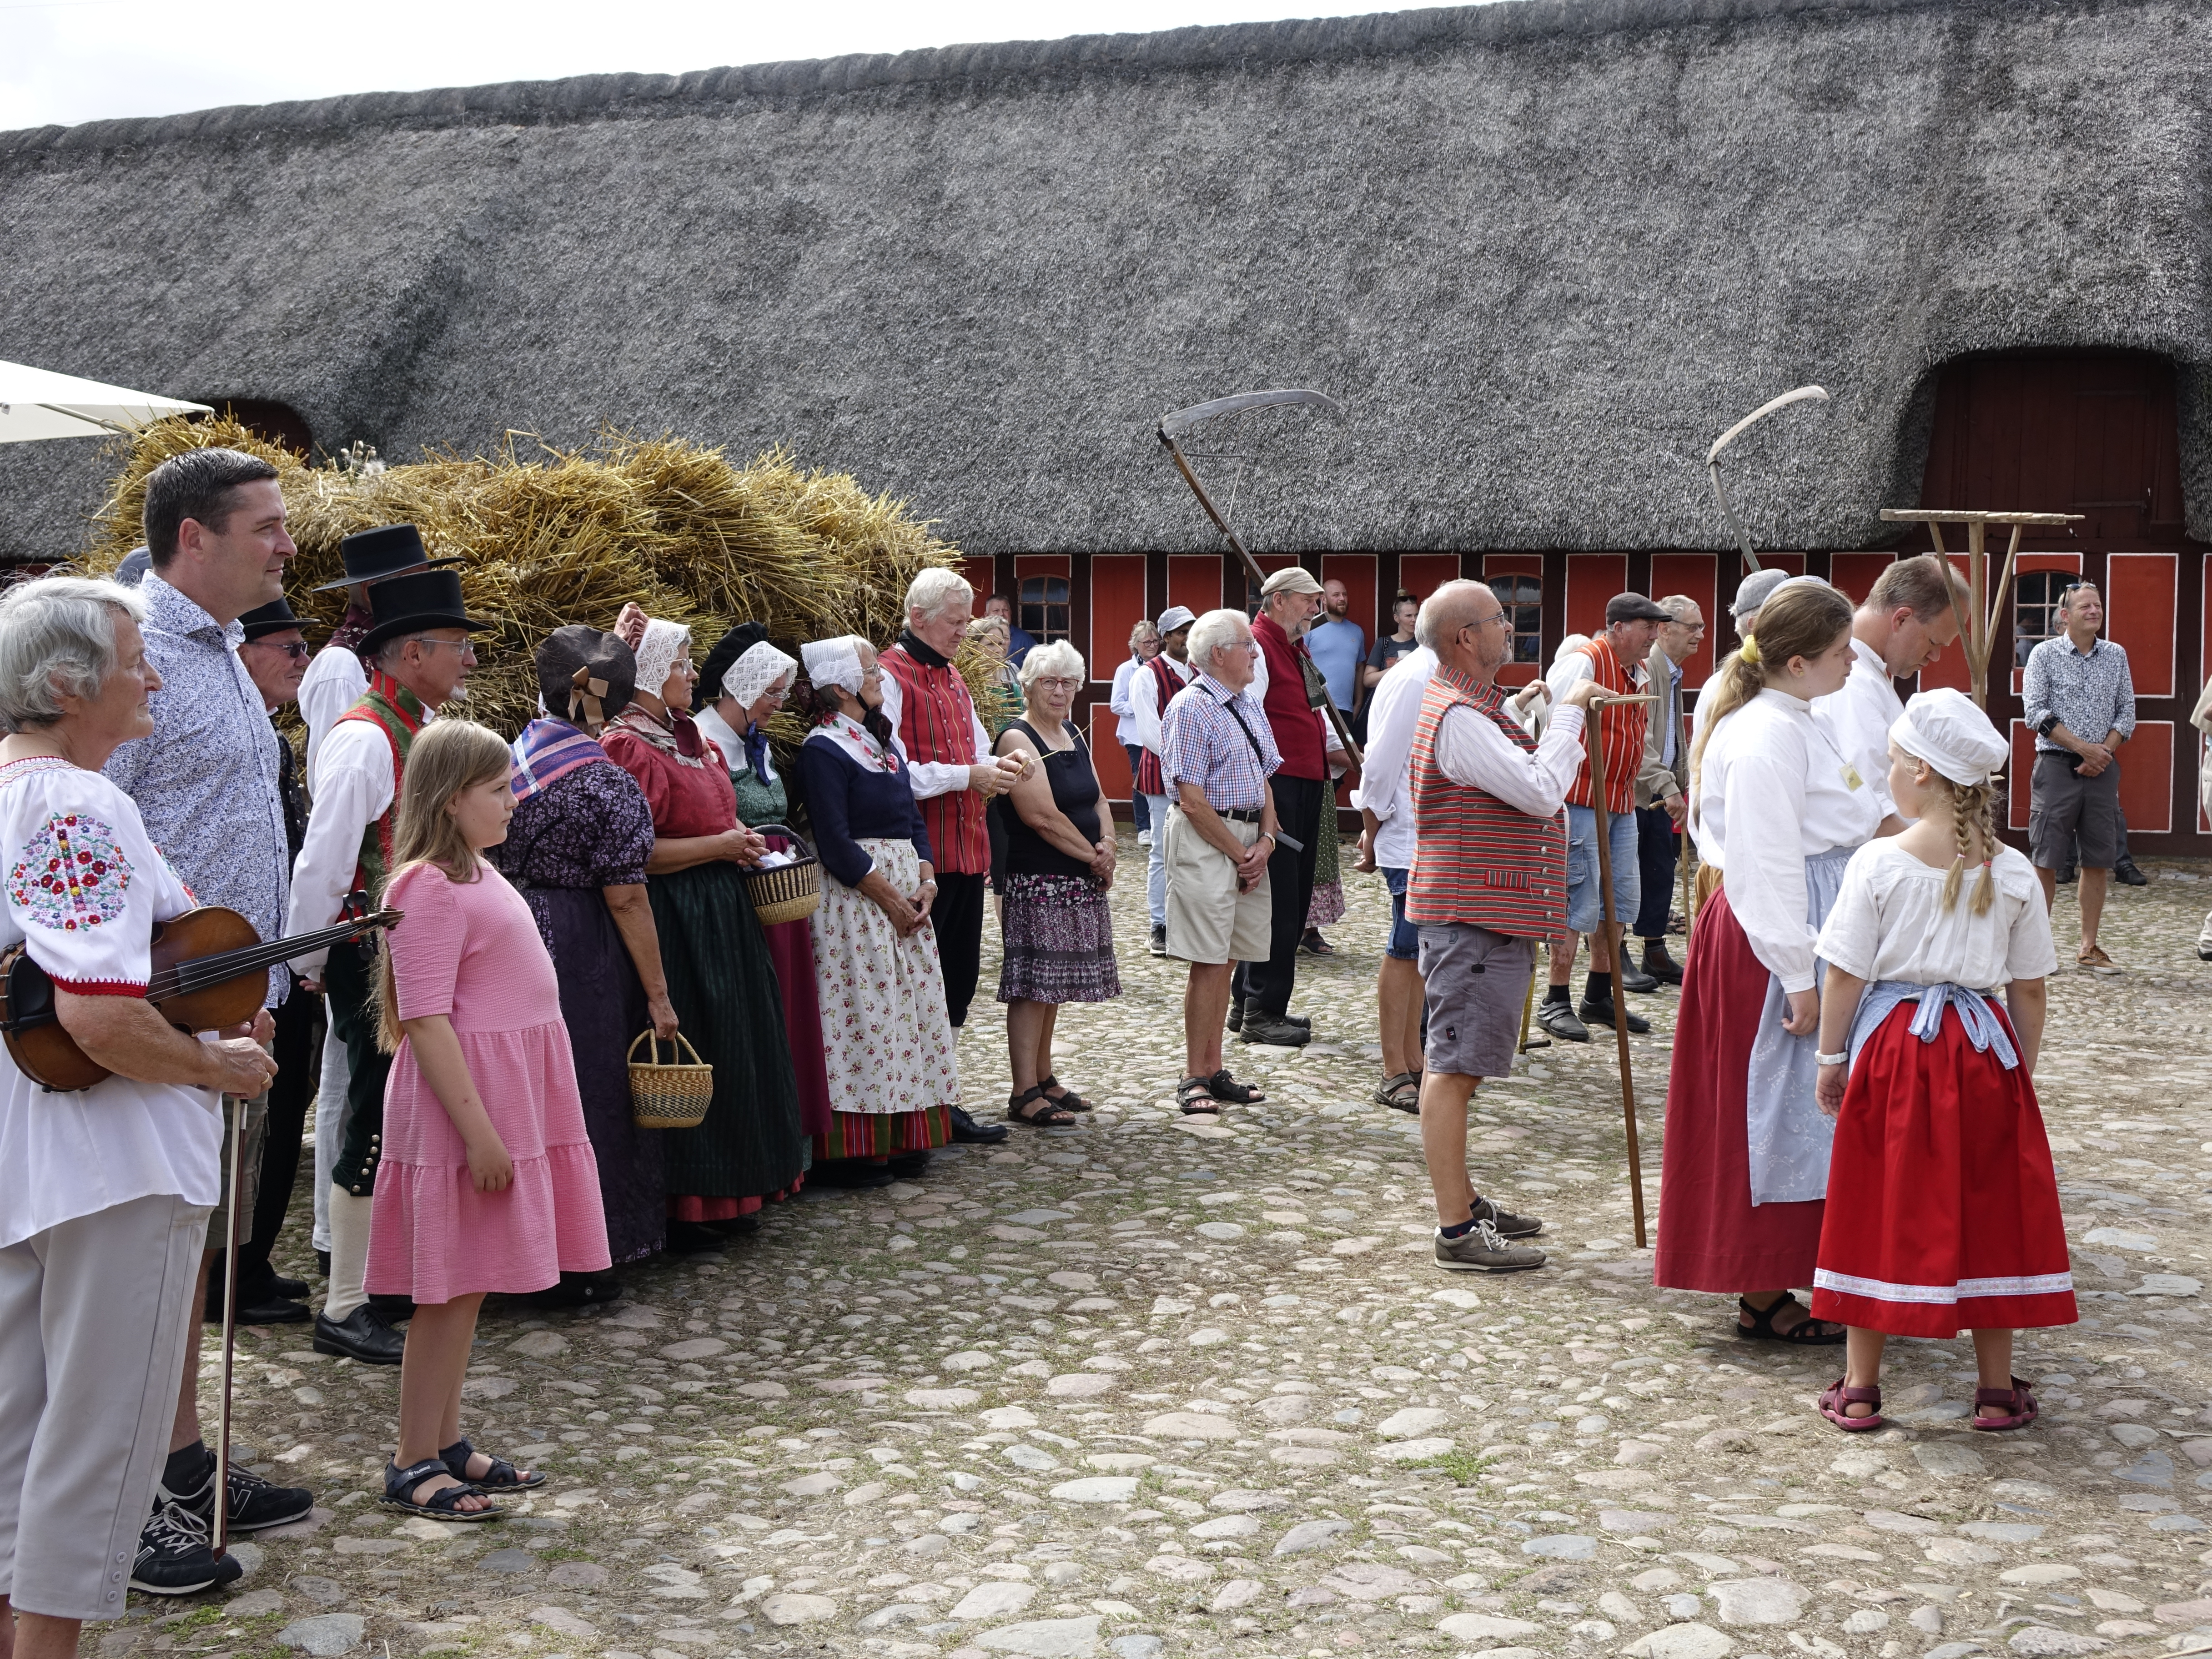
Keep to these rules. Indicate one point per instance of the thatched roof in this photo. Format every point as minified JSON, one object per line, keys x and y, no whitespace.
{"x":1544,"y":251}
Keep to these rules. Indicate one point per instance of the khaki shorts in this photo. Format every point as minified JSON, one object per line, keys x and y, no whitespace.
{"x":1209,"y":920}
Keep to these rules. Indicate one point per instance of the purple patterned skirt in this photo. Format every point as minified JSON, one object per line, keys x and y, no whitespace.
{"x":1059,"y":936}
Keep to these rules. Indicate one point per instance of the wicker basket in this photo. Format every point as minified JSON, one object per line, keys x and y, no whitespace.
{"x":670,"y":1096}
{"x":788,"y":892}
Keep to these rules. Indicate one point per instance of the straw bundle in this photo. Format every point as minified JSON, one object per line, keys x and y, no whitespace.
{"x":554,"y":537}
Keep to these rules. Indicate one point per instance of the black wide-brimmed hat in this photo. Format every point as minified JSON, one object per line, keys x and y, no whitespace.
{"x":586,"y":678}
{"x":408,"y":605}
{"x":378,"y":555}
{"x":274,"y":617}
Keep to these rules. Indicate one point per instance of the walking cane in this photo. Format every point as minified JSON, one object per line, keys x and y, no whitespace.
{"x":229,"y":1325}
{"x":1596,"y":729}
{"x":1527,"y":1006}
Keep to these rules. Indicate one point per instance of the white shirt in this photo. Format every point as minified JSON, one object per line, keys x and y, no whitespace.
{"x":1386,"y":783}
{"x":1144,"y":701}
{"x":351,"y":781}
{"x":1859,"y":717}
{"x":1889,"y":922}
{"x":1471,"y":750}
{"x":64,"y":1156}
{"x":333,"y":684}
{"x":1772,"y":793}
{"x":933,"y":777}
{"x":1124,"y":729}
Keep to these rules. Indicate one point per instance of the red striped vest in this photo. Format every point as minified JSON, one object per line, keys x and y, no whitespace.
{"x":1623,"y":735}
{"x":1165,"y":684}
{"x":937,"y":723}
{"x":399,"y":713}
{"x":1478,"y":859}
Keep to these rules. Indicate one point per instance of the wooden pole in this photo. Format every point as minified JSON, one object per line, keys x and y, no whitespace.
{"x":1528,"y":1007}
{"x":1977,"y":584}
{"x":1997,"y":600}
{"x":1595,"y":730}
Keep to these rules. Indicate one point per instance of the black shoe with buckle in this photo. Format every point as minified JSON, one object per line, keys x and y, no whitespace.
{"x":360,"y":1336}
{"x":1593,"y":1012}
{"x":174,"y":1557}
{"x":1559,"y":1020}
{"x":2124,"y":870}
{"x":969,"y":1133}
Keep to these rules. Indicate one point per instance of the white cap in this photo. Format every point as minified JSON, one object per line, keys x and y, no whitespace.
{"x":749,"y":678}
{"x":1945,"y":729}
{"x":1175,"y":617}
{"x":834,"y":662}
{"x":657,"y":653}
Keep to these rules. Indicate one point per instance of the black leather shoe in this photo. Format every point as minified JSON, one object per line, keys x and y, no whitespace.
{"x":1601,"y":1013}
{"x":1237,"y":1013}
{"x":855,"y":1173}
{"x":1559,"y":1020}
{"x":278,"y":1310}
{"x":1269,"y":1029}
{"x":1633,"y":978}
{"x":393,"y":1310}
{"x":1659,"y":964}
{"x":292,"y":1290}
{"x":2066,"y":875}
{"x":360,"y":1335}
{"x":969,"y":1132}
{"x":2125,"y":871}
{"x":692,"y":1238}
{"x":909,"y":1166}
{"x":322,"y":1267}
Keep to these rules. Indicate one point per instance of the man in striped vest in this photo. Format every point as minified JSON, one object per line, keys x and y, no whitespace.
{"x":948,"y":754}
{"x":1614,"y":662}
{"x":419,"y":653}
{"x":1489,"y":881}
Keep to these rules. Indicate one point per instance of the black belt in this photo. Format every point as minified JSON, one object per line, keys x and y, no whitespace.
{"x":1238,"y":814}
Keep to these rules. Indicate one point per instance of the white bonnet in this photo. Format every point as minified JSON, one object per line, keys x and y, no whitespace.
{"x":657,"y":653}
{"x":834,"y":662}
{"x":1945,"y":729}
{"x":749,"y":678}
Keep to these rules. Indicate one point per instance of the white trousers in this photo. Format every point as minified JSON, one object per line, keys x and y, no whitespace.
{"x":94,"y":1314}
{"x":330,"y":1124}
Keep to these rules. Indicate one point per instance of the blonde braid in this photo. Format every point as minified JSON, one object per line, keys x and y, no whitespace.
{"x":1962,"y":834}
{"x":1973,"y":812}
{"x":1985,"y":889}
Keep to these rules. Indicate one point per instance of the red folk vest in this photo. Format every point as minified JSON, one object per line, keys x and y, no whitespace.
{"x":1479,"y":861}
{"x":1165,"y":684}
{"x":937,"y":723}
{"x":1290,"y":711}
{"x":1623,"y":732}
{"x":399,"y":713}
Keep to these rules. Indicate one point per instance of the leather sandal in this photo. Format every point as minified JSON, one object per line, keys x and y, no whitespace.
{"x":502,"y":1476}
{"x":1067,"y":1097}
{"x":439,"y":1505}
{"x":1402,"y":1092}
{"x":2019,"y":1404}
{"x":1839,"y":1395}
{"x":1195,"y":1096}
{"x":1049,"y":1113}
{"x":1805,"y":1334}
{"x":1225,"y":1087}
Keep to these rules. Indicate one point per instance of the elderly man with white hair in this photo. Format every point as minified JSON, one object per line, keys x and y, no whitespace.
{"x":948,"y":756}
{"x":1217,"y":754}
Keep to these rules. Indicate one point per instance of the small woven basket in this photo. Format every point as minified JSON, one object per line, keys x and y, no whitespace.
{"x":788,"y":892}
{"x":670,"y":1096}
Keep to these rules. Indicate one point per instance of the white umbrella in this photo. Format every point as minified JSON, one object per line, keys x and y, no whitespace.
{"x":36,"y":402}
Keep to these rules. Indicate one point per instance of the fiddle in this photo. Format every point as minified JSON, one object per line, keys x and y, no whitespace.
{"x":210,"y":971}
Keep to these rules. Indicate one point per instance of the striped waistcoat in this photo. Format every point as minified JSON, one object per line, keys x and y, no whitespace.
{"x":1623,"y":735}
{"x":1165,"y":684}
{"x":1479,"y":861}
{"x":937,"y":723}
{"x":399,"y":713}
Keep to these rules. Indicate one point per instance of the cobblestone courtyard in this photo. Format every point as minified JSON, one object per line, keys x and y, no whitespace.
{"x":1142,"y":1388}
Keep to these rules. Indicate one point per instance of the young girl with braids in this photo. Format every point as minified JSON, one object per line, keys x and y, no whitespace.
{"x":1928,"y":1080}
{"x":1778,"y":811}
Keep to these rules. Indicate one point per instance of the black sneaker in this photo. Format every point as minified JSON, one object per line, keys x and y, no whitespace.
{"x":1601,"y":1013}
{"x":1159,"y":947}
{"x":174,"y":1558}
{"x":2124,"y":870}
{"x":254,"y":1503}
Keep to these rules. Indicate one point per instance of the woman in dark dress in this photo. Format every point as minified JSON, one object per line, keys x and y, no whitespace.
{"x":1058,"y":931}
{"x":576,"y":851}
{"x":720,"y":980}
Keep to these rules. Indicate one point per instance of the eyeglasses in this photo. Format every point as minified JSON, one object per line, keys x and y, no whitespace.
{"x":1058,"y":682}
{"x":466,"y":647}
{"x":297,"y":650}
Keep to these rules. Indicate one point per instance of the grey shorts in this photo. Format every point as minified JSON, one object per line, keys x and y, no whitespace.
{"x":256,"y":1138}
{"x":1477,"y":985}
{"x":2064,"y":804}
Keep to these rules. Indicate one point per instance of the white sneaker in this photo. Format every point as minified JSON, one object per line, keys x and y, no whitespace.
{"x":1143,"y":838}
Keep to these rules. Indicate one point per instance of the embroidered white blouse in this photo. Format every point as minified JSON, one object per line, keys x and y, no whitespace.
{"x":1889,"y":922}
{"x":84,"y":887}
{"x":1773,"y":790}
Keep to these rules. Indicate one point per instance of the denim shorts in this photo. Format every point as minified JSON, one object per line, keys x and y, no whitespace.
{"x":1405,"y":944}
{"x":1585,"y":906}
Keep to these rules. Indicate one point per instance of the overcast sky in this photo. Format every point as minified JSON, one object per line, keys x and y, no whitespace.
{"x":65,"y":61}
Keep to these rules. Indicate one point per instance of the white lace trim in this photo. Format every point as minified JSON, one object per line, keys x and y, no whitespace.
{"x":1966,"y":1290}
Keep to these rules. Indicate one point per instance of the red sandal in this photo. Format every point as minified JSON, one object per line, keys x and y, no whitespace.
{"x":2019,"y":1404}
{"x":1839,"y":1395}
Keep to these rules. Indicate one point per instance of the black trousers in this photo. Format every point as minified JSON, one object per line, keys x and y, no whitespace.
{"x":1289,"y":890}
{"x":298,"y":1049}
{"x":350,"y":981}
{"x":958,"y":914}
{"x":1654,"y":864}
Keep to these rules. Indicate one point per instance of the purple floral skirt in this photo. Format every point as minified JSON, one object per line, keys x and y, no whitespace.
{"x":1059,"y":935}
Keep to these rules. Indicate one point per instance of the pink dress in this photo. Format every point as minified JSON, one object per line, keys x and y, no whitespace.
{"x":471,"y":950}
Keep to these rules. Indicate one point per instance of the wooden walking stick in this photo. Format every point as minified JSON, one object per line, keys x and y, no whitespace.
{"x":222,"y":1534}
{"x":1528,"y":1007}
{"x":1595,"y":729}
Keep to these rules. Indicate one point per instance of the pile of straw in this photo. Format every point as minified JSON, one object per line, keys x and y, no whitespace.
{"x":551,"y":536}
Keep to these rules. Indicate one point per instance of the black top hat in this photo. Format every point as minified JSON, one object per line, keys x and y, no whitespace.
{"x":572,"y":660}
{"x":373,"y":556}
{"x":427,"y":598}
{"x":273,"y":617}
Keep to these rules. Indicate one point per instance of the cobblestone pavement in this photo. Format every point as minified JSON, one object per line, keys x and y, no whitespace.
{"x":1140,"y":1389}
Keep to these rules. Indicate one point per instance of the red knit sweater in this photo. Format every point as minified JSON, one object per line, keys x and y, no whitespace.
{"x":1296,"y":722}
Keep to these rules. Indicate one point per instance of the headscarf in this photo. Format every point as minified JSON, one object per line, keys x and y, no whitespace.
{"x":657,"y":653}
{"x":1943,"y":728}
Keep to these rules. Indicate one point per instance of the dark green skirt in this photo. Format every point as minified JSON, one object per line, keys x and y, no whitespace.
{"x":730,"y":1009}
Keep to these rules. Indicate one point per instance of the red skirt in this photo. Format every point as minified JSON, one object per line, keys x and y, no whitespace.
{"x":1931,"y":1135}
{"x":1711,"y":1237}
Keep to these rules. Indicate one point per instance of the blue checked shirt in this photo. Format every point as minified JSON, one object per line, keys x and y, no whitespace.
{"x":2091,"y":694}
{"x":1200,"y":743}
{"x":206,"y":782}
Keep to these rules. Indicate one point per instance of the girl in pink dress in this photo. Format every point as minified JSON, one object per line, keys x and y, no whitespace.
{"x":488,"y":1182}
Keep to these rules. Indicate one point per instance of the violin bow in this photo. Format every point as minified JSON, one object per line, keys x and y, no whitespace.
{"x":221,"y":1535}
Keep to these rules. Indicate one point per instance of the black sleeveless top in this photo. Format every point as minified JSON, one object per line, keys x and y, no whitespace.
{"x":1074,"y":791}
